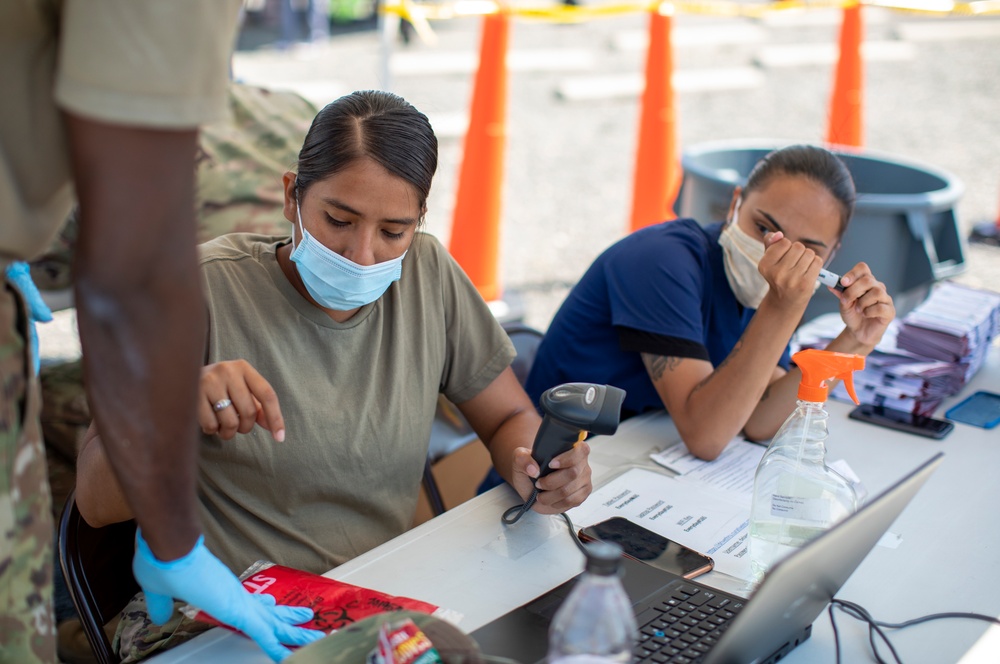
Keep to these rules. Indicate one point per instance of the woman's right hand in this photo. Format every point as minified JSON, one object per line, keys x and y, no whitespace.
{"x":233,"y":397}
{"x":791,"y":270}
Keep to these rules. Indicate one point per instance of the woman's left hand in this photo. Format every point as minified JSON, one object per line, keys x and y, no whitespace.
{"x":865,"y":306}
{"x":564,"y":488}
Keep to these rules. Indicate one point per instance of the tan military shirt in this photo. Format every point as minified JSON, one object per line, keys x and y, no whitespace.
{"x":358,"y":399}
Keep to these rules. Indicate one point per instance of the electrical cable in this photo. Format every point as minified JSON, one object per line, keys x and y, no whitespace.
{"x":858,"y":612}
{"x":836,"y":633}
{"x":871,"y":637}
{"x":514,"y":514}
{"x":939,"y":616}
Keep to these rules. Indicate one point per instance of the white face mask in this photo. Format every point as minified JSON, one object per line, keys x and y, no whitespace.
{"x":741,"y":255}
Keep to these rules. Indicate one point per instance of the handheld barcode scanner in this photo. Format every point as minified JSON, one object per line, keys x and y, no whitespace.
{"x":572,"y":410}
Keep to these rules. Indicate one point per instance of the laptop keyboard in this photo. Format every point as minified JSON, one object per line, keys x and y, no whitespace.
{"x":683,"y":626}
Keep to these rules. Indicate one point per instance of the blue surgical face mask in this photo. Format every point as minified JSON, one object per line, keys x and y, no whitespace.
{"x":335,"y":282}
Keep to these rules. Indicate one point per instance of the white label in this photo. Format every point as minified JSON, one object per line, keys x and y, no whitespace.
{"x":803,"y":509}
{"x":258,"y":583}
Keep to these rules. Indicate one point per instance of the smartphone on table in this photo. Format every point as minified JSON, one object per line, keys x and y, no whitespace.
{"x":646,"y":546}
{"x":901,"y":420}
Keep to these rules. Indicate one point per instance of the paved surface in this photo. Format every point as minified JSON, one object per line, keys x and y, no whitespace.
{"x":932,"y":95}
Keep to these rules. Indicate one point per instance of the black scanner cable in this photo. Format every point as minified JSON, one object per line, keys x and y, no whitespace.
{"x":514,"y":514}
{"x":572,"y":411}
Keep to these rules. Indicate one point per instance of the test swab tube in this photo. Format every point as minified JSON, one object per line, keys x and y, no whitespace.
{"x":830,"y":279}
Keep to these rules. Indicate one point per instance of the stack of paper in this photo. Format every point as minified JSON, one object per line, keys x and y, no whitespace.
{"x":928,"y":355}
{"x":955,"y":324}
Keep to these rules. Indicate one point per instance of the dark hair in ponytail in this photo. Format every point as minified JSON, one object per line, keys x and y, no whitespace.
{"x":375,"y":124}
{"x":815,"y":163}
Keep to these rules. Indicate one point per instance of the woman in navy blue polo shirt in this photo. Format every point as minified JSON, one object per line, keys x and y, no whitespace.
{"x":698,"y":319}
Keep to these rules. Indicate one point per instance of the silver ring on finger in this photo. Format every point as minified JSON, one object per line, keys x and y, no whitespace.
{"x":221,"y":404}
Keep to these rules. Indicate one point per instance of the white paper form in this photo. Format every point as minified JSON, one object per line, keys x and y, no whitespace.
{"x":733,"y":470}
{"x":699,"y":518}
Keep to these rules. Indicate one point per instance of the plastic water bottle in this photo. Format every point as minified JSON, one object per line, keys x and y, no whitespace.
{"x":595,"y":623}
{"x":796,"y":496}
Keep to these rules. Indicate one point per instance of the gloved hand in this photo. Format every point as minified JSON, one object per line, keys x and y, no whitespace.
{"x":19,"y":274}
{"x":202,"y":580}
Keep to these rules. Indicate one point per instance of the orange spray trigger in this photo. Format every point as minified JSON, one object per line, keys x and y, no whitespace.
{"x":819,"y":366}
{"x":849,"y":386}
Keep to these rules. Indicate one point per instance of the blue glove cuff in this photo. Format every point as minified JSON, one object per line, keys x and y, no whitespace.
{"x":19,"y":274}
{"x":179,"y":564}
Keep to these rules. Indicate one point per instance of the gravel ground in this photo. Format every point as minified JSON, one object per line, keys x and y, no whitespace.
{"x":569,"y":164}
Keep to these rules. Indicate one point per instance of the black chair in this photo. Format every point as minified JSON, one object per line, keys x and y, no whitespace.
{"x":97,"y":564}
{"x":526,"y":340}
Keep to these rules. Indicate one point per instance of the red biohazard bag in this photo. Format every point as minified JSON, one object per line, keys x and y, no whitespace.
{"x":334,"y":603}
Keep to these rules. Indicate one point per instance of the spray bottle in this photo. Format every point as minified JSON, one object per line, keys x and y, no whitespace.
{"x":796,"y":496}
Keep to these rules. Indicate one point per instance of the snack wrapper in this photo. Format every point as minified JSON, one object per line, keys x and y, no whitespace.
{"x":334,"y":603}
{"x":403,"y":643}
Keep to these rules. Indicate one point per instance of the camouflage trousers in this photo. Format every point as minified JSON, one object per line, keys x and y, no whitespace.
{"x":27,"y":624}
{"x":138,"y":637}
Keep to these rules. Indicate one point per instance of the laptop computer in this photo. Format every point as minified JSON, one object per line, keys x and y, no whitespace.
{"x":697,"y":623}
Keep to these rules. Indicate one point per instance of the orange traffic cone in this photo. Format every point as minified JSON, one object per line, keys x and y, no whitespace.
{"x":657,"y":167}
{"x":475,"y":226}
{"x":846,"y":126}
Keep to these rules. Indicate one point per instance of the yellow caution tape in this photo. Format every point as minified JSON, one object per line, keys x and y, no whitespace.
{"x":423,"y":11}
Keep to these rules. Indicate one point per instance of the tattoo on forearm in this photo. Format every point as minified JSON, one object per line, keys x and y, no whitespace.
{"x":657,"y":364}
{"x":701,"y":383}
{"x":732,"y":353}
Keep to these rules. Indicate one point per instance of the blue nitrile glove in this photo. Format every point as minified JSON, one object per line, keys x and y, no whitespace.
{"x":20,"y":275}
{"x":201,"y":579}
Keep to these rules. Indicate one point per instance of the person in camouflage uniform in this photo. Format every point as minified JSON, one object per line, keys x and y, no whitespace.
{"x":238,"y":189}
{"x":137,"y":637}
{"x":23,"y":490}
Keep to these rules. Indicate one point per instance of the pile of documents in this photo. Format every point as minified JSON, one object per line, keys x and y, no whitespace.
{"x":928,"y":355}
{"x":954,"y":324}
